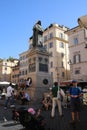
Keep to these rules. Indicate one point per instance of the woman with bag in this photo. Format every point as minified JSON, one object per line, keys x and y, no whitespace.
{"x":56,"y":94}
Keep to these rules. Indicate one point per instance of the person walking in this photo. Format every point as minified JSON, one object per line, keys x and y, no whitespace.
{"x":75,"y":97}
{"x":9,"y":95}
{"x":55,"y":100}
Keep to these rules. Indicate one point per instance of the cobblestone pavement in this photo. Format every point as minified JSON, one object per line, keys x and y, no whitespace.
{"x":10,"y":125}
{"x":56,"y":123}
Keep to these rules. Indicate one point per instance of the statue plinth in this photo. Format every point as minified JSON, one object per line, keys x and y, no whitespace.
{"x":38,"y":59}
{"x":39,"y":72}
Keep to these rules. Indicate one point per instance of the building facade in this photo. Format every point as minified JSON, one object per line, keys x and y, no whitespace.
{"x":56,"y":42}
{"x":23,"y":69}
{"x":78,"y":52}
{"x":15,"y":74}
{"x":6,"y":69}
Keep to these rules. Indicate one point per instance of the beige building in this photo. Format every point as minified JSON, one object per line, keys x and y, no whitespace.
{"x":23,"y":70}
{"x":78,"y":53}
{"x":56,"y":42}
{"x":6,"y":69}
{"x":15,"y":74}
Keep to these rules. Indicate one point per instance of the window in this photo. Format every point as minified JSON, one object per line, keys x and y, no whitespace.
{"x":5,"y":64}
{"x":46,"y":60}
{"x":5,"y":68}
{"x":40,"y":59}
{"x":63,"y":74}
{"x":75,"y":41}
{"x":51,"y":54}
{"x":77,"y":71}
{"x":43,"y":67}
{"x":50,"y":44}
{"x":51,"y":36}
{"x":62,"y":54}
{"x":51,"y":64}
{"x":61,"y":35}
{"x":62,"y":64}
{"x":61,"y":45}
{"x":25,"y":72}
{"x":76,"y":58}
{"x":52,"y":74}
{"x":45,"y":38}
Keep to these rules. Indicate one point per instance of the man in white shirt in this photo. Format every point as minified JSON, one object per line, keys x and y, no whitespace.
{"x":8,"y":95}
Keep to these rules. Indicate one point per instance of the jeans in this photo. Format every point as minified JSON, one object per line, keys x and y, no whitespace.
{"x":9,"y":100}
{"x":55,"y":101}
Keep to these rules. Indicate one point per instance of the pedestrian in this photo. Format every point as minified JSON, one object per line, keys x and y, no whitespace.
{"x":25,"y":98}
{"x":9,"y":95}
{"x":56,"y":100}
{"x":47,"y":102}
{"x":28,"y":82}
{"x":75,"y":97}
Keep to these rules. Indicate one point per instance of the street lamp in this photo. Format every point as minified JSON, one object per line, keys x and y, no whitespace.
{"x":71,"y":67}
{"x":58,"y":75}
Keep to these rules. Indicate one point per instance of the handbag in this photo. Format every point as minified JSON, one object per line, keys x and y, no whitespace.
{"x":60,"y":94}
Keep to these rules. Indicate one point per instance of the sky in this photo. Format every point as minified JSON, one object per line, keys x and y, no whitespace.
{"x":17,"y":18}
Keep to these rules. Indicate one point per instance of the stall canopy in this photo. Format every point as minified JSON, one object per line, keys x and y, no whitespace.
{"x":5,"y":83}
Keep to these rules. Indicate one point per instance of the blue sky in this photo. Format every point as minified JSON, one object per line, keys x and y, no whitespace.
{"x":17,"y":18}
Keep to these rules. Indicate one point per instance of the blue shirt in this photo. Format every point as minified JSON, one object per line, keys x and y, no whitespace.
{"x":74,"y":91}
{"x":27,"y":96}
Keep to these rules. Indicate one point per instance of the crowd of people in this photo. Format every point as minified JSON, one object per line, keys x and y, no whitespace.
{"x":12,"y":95}
{"x":49,"y":102}
{"x":58,"y":96}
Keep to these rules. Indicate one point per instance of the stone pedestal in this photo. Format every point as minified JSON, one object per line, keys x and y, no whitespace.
{"x":39,"y":72}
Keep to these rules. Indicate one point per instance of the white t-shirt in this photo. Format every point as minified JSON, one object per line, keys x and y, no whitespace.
{"x":9,"y":91}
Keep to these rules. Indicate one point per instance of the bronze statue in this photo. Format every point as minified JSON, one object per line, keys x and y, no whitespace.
{"x":37,"y":34}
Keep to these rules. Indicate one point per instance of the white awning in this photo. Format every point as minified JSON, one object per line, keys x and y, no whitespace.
{"x":5,"y":83}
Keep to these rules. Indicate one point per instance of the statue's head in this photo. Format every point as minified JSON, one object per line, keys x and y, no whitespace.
{"x":38,"y":22}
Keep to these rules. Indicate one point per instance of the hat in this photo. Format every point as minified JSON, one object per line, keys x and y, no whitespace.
{"x":74,"y":81}
{"x":31,"y":110}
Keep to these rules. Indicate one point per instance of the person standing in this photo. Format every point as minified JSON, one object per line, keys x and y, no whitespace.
{"x":25,"y":98}
{"x":55,"y":100}
{"x":75,"y":94}
{"x":9,"y":95}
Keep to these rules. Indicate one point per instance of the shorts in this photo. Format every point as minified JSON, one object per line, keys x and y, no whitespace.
{"x":75,"y":106}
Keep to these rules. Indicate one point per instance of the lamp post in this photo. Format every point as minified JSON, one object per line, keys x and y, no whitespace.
{"x":58,"y":75}
{"x":71,"y":68}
